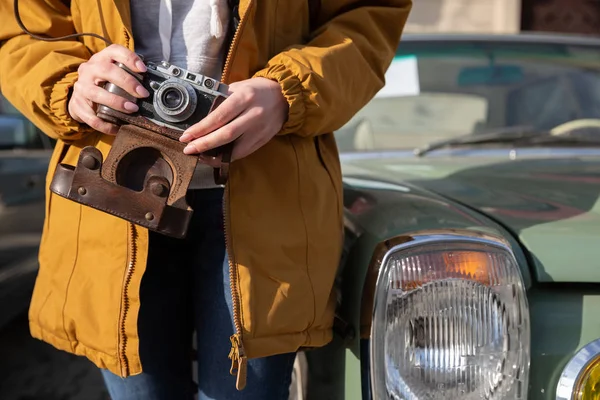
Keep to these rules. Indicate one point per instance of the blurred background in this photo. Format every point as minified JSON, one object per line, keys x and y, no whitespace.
{"x":505,"y":16}
{"x":33,"y":370}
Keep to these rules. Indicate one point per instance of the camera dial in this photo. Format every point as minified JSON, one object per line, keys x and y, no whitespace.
{"x":175,"y":100}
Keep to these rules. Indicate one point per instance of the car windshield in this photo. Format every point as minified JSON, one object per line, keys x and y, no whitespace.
{"x":439,"y":90}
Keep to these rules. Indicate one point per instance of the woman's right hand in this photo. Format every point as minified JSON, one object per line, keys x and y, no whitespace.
{"x":88,"y":90}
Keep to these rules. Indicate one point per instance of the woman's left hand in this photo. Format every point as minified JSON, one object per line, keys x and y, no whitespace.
{"x":254,"y":112}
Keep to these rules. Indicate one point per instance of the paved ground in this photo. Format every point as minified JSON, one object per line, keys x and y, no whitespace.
{"x":32,"y":370}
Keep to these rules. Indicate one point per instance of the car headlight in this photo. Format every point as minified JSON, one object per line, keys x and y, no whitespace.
{"x":450,"y":321}
{"x":580,"y":380}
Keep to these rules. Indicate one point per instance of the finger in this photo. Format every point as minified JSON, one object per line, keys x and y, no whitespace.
{"x":100,"y":96}
{"x":103,"y":72}
{"x":221,"y":136}
{"x":88,"y":116}
{"x":72,"y":109}
{"x":123,"y":55}
{"x":229,"y":109}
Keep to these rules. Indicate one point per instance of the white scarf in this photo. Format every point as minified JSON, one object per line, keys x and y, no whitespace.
{"x":166,"y":23}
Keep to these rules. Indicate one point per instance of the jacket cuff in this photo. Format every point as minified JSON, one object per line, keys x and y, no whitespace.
{"x":292,"y":89}
{"x":59,"y":114}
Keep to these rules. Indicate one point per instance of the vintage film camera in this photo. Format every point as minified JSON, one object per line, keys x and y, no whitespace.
{"x":178,"y":99}
{"x":145,"y":176}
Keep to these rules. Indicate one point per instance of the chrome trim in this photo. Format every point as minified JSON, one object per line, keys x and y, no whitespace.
{"x":475,"y":152}
{"x":352,"y":226}
{"x":425,"y":237}
{"x":491,"y":38}
{"x":394,"y":245}
{"x":572,"y":371}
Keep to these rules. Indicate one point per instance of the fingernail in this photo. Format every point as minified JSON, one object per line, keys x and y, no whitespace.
{"x":185,"y":137}
{"x":140,"y":65}
{"x":189,"y":149}
{"x":142,"y":91}
{"x":129,"y":106}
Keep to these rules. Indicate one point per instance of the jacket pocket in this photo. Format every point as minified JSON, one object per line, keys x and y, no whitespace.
{"x":72,"y":242}
{"x":57,"y":257}
{"x":93,"y":302}
{"x":327,"y":152}
{"x":321,"y":202}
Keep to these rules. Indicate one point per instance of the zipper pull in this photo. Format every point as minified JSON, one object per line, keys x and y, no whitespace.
{"x":239,"y":362}
{"x":240,"y":382}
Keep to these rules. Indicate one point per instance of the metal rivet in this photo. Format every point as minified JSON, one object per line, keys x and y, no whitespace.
{"x":149,"y":216}
{"x":89,"y":162}
{"x":158,"y":189}
{"x":82,"y":191}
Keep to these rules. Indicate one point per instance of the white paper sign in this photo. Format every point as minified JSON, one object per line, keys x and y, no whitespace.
{"x":401,"y":78}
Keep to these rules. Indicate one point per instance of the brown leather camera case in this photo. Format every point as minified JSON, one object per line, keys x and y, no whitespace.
{"x":144,"y":180}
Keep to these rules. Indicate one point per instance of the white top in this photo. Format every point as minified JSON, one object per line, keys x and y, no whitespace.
{"x":186,"y":33}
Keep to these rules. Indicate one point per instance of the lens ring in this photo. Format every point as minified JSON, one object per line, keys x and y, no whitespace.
{"x":175,"y":100}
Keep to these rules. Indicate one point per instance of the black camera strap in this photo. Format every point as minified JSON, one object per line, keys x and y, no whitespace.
{"x":50,"y":39}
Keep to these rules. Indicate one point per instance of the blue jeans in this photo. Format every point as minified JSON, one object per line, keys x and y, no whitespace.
{"x":186,"y":288}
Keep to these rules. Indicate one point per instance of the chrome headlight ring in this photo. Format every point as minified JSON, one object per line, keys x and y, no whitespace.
{"x":581,"y":367}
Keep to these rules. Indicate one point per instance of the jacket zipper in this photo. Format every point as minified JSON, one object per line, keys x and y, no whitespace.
{"x":125,"y":300}
{"x":126,"y":34}
{"x":132,"y":235}
{"x":237,"y":354}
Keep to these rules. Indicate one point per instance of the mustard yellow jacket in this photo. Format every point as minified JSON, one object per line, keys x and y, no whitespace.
{"x":283,"y":204}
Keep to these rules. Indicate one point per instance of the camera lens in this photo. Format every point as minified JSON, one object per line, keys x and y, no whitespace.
{"x":175,"y":100}
{"x":172,"y":98}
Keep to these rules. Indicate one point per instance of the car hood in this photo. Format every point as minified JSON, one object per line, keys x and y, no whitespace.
{"x":551,"y":205}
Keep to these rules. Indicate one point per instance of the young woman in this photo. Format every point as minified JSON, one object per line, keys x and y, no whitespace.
{"x":254,"y":276}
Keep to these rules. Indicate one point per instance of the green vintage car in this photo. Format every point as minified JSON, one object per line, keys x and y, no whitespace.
{"x":472,"y":195}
